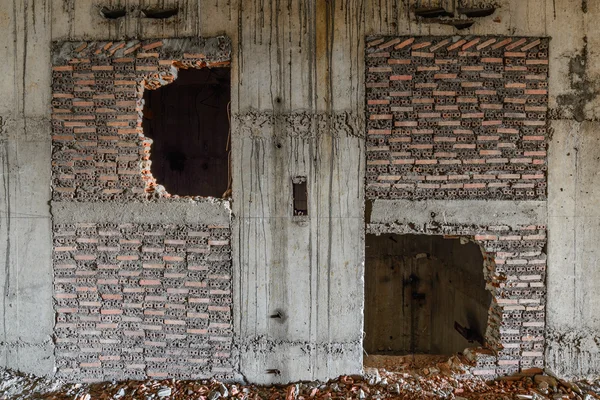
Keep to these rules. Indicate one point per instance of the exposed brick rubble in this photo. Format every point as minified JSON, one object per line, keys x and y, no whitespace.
{"x":443,"y":380}
{"x":456,"y":117}
{"x":515,"y":272}
{"x":139,"y":301}
{"x":99,"y":151}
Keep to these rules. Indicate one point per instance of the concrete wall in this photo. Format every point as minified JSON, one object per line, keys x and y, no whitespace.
{"x":297,"y":64}
{"x":25,"y":225}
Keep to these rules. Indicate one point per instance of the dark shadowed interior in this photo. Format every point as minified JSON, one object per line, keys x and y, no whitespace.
{"x":189,"y":125}
{"x":423,"y":294}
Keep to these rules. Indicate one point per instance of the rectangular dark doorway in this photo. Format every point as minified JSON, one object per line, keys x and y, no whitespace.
{"x":418,"y":288}
{"x":188,"y":121}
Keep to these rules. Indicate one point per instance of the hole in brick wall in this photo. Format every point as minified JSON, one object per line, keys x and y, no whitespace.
{"x":188,"y":123}
{"x":424,"y":294}
{"x":300,"y":194}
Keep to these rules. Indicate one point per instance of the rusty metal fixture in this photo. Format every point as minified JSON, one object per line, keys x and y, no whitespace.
{"x":432,"y":12}
{"x":157,"y":13}
{"x":477,"y":12}
{"x":115,"y":13}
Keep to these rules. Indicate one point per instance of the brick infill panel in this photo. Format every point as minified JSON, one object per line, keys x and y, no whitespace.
{"x":138,"y":301}
{"x":456,"y":119}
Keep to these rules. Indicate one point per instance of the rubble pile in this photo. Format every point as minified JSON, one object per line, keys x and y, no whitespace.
{"x":451,"y":379}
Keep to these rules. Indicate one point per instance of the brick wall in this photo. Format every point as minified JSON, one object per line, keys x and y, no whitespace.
{"x":99,"y":151}
{"x":133,"y":300}
{"x":466,"y":118}
{"x":456,"y":117}
{"x":515,"y":272}
{"x":142,"y":300}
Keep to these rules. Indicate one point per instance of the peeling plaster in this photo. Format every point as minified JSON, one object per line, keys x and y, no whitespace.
{"x":584,"y":90}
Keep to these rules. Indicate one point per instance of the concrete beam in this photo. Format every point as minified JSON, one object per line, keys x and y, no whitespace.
{"x":459,"y":212}
{"x":211,"y":211}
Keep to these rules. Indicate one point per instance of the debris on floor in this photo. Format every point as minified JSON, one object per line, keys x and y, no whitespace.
{"x":409,"y":377}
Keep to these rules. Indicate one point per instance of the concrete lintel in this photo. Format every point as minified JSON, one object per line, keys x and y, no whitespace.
{"x":214,"y":49}
{"x":459,"y":212}
{"x":172,"y":212}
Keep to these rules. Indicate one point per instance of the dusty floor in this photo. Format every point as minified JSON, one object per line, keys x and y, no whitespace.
{"x":404,"y":377}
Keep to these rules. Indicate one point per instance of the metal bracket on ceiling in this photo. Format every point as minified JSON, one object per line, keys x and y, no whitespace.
{"x":150,"y":13}
{"x":460,"y":18}
{"x":160,"y":13}
{"x":114,"y":13}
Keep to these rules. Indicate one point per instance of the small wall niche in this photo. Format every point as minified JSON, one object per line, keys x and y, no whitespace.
{"x":300,"y":196}
{"x":188,"y":122}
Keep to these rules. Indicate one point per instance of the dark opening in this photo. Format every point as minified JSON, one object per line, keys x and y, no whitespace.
{"x":189,"y":124}
{"x":423,"y":295}
{"x":300,"y":193}
{"x":160,"y":13}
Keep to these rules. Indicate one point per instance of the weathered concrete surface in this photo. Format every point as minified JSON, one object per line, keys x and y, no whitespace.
{"x":26,"y":314}
{"x":174,"y":212}
{"x":27,"y":318}
{"x":467,"y":212}
{"x":314,"y":268}
{"x":311,"y":270}
{"x":289,"y":57}
{"x":573,"y":348}
{"x":262,"y":356}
